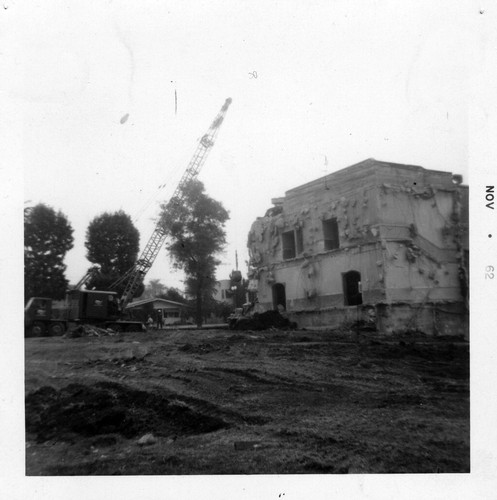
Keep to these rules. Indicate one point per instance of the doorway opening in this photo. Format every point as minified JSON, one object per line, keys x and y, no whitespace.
{"x":352,"y":290}
{"x":279,"y":296}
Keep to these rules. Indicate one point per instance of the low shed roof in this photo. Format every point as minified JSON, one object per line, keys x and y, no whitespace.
{"x":165,"y":302}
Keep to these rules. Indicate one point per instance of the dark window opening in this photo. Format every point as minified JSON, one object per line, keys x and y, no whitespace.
{"x":330,"y":233}
{"x":288,"y":244}
{"x":352,"y":295}
{"x":299,"y":239}
{"x":279,"y":296}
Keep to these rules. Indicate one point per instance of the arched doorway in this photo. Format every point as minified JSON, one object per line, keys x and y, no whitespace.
{"x":279,"y":295}
{"x":352,"y":295}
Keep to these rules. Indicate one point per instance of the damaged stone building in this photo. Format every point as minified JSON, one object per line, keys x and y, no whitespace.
{"x":377,"y":242}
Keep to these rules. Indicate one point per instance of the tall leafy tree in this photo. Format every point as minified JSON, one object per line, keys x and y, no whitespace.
{"x":195,"y":228}
{"x":154,"y":288}
{"x":47,"y":239}
{"x":173,"y":294}
{"x":112,"y":242}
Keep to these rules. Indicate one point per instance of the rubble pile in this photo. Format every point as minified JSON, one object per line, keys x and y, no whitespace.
{"x":261,"y":321}
{"x":89,"y":331}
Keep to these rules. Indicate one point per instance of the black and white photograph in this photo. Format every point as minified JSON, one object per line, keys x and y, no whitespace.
{"x":259,"y":248}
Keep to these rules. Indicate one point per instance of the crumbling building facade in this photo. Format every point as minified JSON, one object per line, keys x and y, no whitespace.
{"x":377,"y":242}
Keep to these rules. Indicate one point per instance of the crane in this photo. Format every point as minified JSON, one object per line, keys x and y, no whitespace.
{"x":135,"y":276}
{"x":92,"y":272}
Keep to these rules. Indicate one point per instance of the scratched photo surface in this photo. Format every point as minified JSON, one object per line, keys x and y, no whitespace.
{"x":266,"y":263}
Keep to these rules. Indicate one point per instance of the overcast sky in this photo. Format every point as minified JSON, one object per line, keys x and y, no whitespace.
{"x":336,"y":82}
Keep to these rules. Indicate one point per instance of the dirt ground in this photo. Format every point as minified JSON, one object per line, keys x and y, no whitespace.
{"x":224,"y":402}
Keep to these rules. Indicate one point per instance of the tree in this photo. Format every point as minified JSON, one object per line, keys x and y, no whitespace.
{"x":154,"y":288}
{"x":112,"y":242}
{"x":173,"y":294}
{"x":47,"y":239}
{"x":222,"y":310}
{"x":204,"y":297}
{"x":195,"y":228}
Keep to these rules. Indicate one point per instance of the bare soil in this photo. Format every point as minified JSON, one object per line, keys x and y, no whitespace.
{"x":224,"y":402}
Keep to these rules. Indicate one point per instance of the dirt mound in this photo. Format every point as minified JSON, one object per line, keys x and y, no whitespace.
{"x":110,"y":408}
{"x":262,"y":321}
{"x":284,"y":401}
{"x":202,"y":348}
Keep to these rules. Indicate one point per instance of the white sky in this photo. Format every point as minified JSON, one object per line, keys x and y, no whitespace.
{"x":336,"y":79}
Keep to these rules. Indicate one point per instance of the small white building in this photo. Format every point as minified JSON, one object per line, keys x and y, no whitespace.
{"x":171,"y":311}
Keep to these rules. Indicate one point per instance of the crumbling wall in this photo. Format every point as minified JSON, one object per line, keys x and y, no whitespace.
{"x":430,"y":215}
{"x":422,"y":234}
{"x":415,"y":276}
{"x":334,"y":317}
{"x":352,"y":202}
{"x":313,"y":279}
{"x":403,"y":228}
{"x":317,"y":282}
{"x":431,"y":318}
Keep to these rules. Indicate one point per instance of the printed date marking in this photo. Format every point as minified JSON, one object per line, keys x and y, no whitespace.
{"x":489,"y":196}
{"x":489,"y":272}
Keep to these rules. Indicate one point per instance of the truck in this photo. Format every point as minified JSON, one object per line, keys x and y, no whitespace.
{"x":105,"y":308}
{"x":91,"y":307}
{"x":41,"y":318}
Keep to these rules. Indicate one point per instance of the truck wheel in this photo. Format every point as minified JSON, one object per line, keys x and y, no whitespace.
{"x":37,"y":330}
{"x":57,"y":329}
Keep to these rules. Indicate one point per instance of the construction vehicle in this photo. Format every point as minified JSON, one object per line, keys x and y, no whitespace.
{"x":41,"y":318}
{"x":252,"y":317}
{"x":135,"y":276}
{"x":91,"y":307}
{"x":93,"y":272}
{"x":105,"y":308}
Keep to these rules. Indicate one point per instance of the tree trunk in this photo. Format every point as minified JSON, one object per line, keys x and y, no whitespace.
{"x":199,"y":302}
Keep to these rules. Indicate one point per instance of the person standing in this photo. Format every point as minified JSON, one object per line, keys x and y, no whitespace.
{"x":150,"y":322}
{"x":159,"y":319}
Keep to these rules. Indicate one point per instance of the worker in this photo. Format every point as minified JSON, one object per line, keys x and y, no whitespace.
{"x":150,"y":322}
{"x":112,"y":307}
{"x":160,"y":323}
{"x":282,"y":310}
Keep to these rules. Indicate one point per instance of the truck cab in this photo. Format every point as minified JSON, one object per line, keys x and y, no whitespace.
{"x":92,"y":305}
{"x":39,"y":318}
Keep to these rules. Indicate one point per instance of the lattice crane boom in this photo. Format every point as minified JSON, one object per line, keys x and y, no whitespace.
{"x":135,"y":276}
{"x":91,"y":273}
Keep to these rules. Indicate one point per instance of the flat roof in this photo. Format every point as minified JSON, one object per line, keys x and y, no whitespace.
{"x":369,"y":162}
